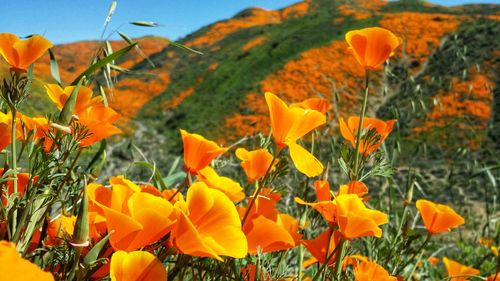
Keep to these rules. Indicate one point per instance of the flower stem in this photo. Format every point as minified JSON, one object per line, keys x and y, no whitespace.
{"x":340,"y":258}
{"x":323,"y":266}
{"x":427,"y":239}
{"x":186,"y":183}
{"x":14,"y":164}
{"x":355,"y":174}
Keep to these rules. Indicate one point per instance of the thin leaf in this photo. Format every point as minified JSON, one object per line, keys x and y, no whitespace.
{"x":174,"y":178}
{"x":30,"y":76}
{"x":69,"y":106}
{"x":157,"y":175}
{"x":103,"y":95}
{"x":118,"y":68}
{"x":178,"y":45}
{"x":54,"y":67}
{"x":145,"y":23}
{"x":174,"y":166}
{"x":94,"y":253}
{"x":126,"y":38}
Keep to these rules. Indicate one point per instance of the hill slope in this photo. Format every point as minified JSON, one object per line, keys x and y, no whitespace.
{"x":442,"y":81}
{"x":299,"y":52}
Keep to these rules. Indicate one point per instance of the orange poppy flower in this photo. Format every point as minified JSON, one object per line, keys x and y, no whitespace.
{"x":350,"y":129}
{"x":354,"y":187}
{"x":23,"y":180}
{"x":198,"y":151}
{"x":318,"y":104}
{"x":255,"y":163}
{"x":486,"y":241}
{"x":372,"y":46}
{"x":355,"y":219}
{"x":99,"y":120}
{"x":59,"y":96}
{"x":454,"y":268}
{"x":369,"y":271}
{"x":437,"y":217}
{"x":317,"y":247}
{"x":137,"y":218}
{"x":20,"y":54}
{"x":290,"y":124}
{"x":433,"y":260}
{"x":136,"y":266}
{"x":39,"y":125}
{"x":13,"y":266}
{"x":210,"y":227}
{"x":232,"y":189}
{"x":266,"y":229}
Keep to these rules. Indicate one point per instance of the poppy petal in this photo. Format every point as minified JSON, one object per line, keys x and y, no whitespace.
{"x":137,"y":266}
{"x":304,"y":161}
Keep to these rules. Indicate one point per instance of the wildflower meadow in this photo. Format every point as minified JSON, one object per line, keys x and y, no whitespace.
{"x":301,"y":199}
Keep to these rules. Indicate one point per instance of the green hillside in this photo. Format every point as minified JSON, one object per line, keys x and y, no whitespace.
{"x":214,"y":94}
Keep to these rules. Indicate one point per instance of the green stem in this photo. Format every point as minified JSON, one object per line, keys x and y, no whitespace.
{"x":71,"y":167}
{"x":302,"y":222}
{"x":360,"y":129}
{"x":186,"y":183}
{"x":427,"y":239}
{"x":14,"y":165}
{"x":340,"y":258}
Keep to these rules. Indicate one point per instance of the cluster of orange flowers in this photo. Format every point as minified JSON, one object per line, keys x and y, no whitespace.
{"x":421,"y":32}
{"x":207,"y":222}
{"x":252,"y":17}
{"x":253,"y":43}
{"x":89,"y":111}
{"x":217,"y":32}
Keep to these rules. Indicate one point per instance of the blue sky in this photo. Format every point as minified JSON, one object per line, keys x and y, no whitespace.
{"x":64,"y":21}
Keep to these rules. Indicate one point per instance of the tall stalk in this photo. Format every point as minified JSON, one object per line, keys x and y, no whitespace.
{"x":14,"y":164}
{"x":359,"y":132}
